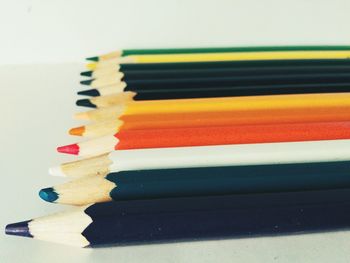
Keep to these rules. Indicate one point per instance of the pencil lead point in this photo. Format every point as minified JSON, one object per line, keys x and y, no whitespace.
{"x":86,"y":73}
{"x":78,"y":131}
{"x":90,"y":92}
{"x":86,"y":82}
{"x":69,"y":149}
{"x":92,"y":66}
{"x":18,"y":229}
{"x":96,"y":59}
{"x":85,"y":103}
{"x":48,"y":194}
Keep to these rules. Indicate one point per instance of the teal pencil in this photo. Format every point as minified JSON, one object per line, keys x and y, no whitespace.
{"x":150,"y":184}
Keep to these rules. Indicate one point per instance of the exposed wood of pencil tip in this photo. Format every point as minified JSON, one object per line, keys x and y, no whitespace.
{"x":112,"y":79}
{"x":96,"y":189}
{"x":97,"y":129}
{"x":93,"y":166}
{"x":107,"y":56}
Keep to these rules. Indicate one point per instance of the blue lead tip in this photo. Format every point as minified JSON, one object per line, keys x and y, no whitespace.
{"x":48,"y":194}
{"x":18,"y":229}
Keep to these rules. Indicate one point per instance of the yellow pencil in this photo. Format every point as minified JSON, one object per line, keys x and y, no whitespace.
{"x":228,"y":104}
{"x":202,"y":57}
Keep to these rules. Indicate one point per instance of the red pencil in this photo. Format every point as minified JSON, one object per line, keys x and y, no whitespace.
{"x":243,"y":134}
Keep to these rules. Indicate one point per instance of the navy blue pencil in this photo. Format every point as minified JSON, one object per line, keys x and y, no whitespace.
{"x":195,"y":218}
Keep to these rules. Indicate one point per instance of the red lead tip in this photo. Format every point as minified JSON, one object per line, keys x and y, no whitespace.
{"x":69,"y":149}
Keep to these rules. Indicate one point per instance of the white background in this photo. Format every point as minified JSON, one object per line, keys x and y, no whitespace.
{"x":52,"y":37}
{"x":40,"y":31}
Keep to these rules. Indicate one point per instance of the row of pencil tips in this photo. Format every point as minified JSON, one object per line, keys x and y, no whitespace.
{"x":205,"y":143}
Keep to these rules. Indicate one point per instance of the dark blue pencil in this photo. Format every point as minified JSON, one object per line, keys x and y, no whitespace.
{"x":196,"y":218}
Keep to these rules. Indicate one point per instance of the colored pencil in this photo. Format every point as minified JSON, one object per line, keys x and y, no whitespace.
{"x":126,"y":52}
{"x":204,"y":119}
{"x":203,"y":136}
{"x":216,"y":92}
{"x":116,"y":77}
{"x":237,"y":105}
{"x":237,"y":86}
{"x":206,"y":156}
{"x":118,"y":88}
{"x":182,"y":182}
{"x":149,"y":67}
{"x":195,"y":218}
{"x":207,"y":57}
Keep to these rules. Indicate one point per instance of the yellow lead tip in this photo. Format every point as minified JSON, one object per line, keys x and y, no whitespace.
{"x":91,"y":66}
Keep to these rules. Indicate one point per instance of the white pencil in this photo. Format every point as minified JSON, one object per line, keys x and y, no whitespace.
{"x":207,"y":156}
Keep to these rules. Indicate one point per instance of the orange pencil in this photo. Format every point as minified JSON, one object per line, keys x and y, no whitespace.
{"x":209,"y":119}
{"x":201,"y":136}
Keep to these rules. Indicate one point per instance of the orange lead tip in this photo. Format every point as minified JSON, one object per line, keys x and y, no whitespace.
{"x":69,"y":149}
{"x":78,"y":131}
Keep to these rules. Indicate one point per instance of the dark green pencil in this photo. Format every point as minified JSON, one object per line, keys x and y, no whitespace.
{"x":150,"y":184}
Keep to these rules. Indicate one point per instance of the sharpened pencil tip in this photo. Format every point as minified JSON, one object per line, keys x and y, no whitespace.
{"x":86,"y":82}
{"x":86,"y":73}
{"x":78,"y":131}
{"x":69,"y":149}
{"x":48,"y":194}
{"x":96,"y":59}
{"x":91,"y":66}
{"x":18,"y":229}
{"x":90,"y":92}
{"x":85,"y":103}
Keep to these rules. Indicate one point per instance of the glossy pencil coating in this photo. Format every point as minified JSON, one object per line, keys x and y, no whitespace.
{"x":195,"y":218}
{"x":203,"y":136}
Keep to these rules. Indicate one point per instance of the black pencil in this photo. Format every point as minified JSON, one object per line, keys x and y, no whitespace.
{"x":196,"y":218}
{"x":115,"y":78}
{"x":108,"y":98}
{"x":126,"y":68}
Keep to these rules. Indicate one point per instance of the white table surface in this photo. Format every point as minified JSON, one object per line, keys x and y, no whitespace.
{"x":37,"y":107}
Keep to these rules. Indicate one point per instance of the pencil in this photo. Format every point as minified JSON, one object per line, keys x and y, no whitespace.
{"x":116,"y":77}
{"x":235,"y":85}
{"x":206,"y":156}
{"x":194,"y":218}
{"x":321,"y":85}
{"x":127,"y":68}
{"x":126,"y":52}
{"x":229,"y":104}
{"x":207,"y":57}
{"x":185,"y":66}
{"x":209,"y":119}
{"x":203,"y":136}
{"x":182,"y":182}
